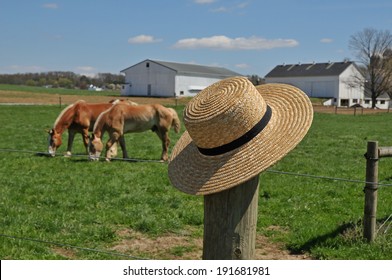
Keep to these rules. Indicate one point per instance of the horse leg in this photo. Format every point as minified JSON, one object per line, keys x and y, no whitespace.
{"x":111,"y":146}
{"x":71,"y":137}
{"x":123,"y":147}
{"x":164,"y":136}
{"x":85,"y":139}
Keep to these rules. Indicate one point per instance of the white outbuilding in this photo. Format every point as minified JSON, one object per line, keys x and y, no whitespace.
{"x":336,"y":81}
{"x":170,"y":79}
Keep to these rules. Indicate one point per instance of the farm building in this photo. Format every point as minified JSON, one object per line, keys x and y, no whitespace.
{"x":332,"y":80}
{"x":170,"y":79}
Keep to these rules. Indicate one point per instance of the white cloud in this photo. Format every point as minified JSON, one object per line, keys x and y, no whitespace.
{"x":143,"y":39}
{"x":88,"y":71}
{"x":220,"y":10}
{"x":228,"y":9}
{"x":221,"y":42}
{"x":326,"y":40}
{"x":52,"y":6}
{"x":242,"y":5}
{"x":242,"y":65}
{"x":204,"y":1}
{"x":26,"y":68}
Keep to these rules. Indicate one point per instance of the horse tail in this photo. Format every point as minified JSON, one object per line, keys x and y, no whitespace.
{"x":176,"y":121}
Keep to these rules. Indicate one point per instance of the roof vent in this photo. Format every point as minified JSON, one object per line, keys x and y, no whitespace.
{"x":291,"y":67}
{"x":310,"y":66}
{"x":330,"y":64}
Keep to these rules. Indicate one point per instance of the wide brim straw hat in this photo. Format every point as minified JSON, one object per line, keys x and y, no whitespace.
{"x":235,"y":131}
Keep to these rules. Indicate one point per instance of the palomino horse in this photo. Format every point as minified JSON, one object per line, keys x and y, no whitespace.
{"x":124,"y":118}
{"x":78,"y":117}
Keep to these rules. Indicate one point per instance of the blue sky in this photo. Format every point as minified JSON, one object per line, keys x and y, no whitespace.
{"x":246,"y":36}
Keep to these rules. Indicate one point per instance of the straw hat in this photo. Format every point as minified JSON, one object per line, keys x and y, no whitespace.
{"x":234,"y":131}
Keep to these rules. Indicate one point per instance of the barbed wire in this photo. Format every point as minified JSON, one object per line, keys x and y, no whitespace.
{"x":71,"y":246}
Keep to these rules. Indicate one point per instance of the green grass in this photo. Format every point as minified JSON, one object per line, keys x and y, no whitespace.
{"x":85,"y":204}
{"x":62,"y":91}
{"x":321,"y":216}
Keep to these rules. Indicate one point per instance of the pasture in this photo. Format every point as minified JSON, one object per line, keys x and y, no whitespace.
{"x":71,"y":208}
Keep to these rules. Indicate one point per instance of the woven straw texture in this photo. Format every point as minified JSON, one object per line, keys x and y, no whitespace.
{"x":225,"y":111}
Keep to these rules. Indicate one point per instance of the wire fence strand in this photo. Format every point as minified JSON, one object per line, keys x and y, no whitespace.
{"x":39,"y":153}
{"x":160,"y":161}
{"x":71,"y":246}
{"x":326,"y":178}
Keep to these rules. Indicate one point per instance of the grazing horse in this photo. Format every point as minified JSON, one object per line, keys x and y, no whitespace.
{"x":78,"y":117}
{"x":124,"y":118}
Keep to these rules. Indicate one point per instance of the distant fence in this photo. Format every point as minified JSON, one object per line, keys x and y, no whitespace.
{"x":348,"y":110}
{"x":373,"y":154}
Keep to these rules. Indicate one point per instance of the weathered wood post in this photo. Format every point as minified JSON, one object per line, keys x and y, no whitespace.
{"x":370,"y":209}
{"x":234,"y":236}
{"x":234,"y":132}
{"x":384,"y":152}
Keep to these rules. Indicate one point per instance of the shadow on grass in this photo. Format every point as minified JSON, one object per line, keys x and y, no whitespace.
{"x":319,"y":241}
{"x":347,"y":233}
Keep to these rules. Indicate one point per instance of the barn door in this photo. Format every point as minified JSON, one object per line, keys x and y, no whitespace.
{"x":149,"y":89}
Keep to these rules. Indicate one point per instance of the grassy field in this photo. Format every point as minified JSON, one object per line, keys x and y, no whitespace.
{"x":105,"y":206}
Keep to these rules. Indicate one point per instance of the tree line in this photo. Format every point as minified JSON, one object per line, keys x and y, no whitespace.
{"x":63,"y":79}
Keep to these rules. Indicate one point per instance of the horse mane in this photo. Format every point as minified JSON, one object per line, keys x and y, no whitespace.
{"x":66,"y":116}
{"x":117,"y":101}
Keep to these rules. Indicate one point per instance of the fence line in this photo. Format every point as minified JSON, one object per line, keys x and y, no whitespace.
{"x":71,"y":246}
{"x":77,"y":155}
{"x":324,"y":177}
{"x":160,"y":161}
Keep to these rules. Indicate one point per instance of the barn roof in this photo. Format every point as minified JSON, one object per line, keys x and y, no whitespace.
{"x":194,"y":69}
{"x":309,"y":70}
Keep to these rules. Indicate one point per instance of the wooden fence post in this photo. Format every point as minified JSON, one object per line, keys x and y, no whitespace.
{"x":370,"y":209}
{"x":230,"y":219}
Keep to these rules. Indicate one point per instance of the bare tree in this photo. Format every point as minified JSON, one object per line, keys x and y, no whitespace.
{"x":372,"y":49}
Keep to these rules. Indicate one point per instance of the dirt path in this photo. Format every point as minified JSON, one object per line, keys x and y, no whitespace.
{"x":187,"y":247}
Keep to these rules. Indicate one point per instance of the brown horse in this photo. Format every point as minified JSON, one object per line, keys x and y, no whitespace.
{"x":124,"y":118}
{"x":78,"y":117}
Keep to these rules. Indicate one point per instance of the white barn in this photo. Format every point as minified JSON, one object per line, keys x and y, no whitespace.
{"x":170,"y":79}
{"x":332,"y":80}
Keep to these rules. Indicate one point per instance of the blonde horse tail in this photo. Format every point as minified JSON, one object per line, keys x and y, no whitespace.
{"x":176,"y":121}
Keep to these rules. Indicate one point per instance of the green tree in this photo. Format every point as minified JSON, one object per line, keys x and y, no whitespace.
{"x":31,"y":82}
{"x":65,"y":83}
